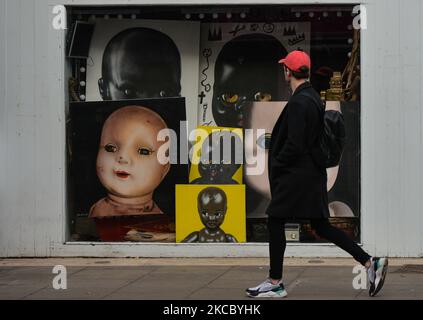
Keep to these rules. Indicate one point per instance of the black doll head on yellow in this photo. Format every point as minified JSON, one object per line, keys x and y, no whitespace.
{"x":219,"y":161}
{"x":212,"y":205}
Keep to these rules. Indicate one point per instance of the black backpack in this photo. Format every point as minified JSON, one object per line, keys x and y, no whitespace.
{"x":329,"y":145}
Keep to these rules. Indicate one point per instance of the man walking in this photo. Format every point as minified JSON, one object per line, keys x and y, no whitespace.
{"x":298,"y":184}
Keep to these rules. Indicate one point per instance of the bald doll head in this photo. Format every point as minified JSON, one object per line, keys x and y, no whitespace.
{"x":212,"y":206}
{"x":127,"y":162}
{"x":140,"y":63}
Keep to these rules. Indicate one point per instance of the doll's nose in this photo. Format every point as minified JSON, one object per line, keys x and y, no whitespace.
{"x":122,"y":160}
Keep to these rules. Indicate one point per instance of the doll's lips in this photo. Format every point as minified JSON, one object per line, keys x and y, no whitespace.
{"x":212,"y":225}
{"x":122,"y":174}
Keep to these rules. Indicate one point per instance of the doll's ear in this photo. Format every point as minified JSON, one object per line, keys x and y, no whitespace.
{"x":103,"y":89}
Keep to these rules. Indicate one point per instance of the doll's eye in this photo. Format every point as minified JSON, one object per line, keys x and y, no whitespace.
{"x":229,"y":99}
{"x":144,"y":151}
{"x":129,"y":91}
{"x":262,"y":96}
{"x":110,"y":148}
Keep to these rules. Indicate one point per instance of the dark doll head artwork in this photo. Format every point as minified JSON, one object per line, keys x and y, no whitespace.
{"x":140,"y":63}
{"x":213,"y":148}
{"x":247,"y":69}
{"x":212,"y":206}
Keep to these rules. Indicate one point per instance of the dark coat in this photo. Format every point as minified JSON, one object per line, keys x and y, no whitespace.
{"x":297,"y":184}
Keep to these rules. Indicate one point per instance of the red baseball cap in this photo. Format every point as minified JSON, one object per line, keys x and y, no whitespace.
{"x":295,"y":60}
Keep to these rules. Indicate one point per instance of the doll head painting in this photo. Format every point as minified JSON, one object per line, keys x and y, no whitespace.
{"x":220,"y":152}
{"x":246,"y":70}
{"x":140,"y":63}
{"x":127,"y":164}
{"x":212,"y":205}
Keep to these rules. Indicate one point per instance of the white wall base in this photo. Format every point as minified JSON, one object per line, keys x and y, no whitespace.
{"x":147,"y":250}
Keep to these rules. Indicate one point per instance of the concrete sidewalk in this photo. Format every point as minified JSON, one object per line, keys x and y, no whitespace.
{"x":203,"y":279}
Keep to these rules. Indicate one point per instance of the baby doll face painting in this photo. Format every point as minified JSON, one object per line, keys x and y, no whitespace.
{"x":127,"y":163}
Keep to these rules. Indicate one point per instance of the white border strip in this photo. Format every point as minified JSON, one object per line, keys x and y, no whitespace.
{"x":172,"y":250}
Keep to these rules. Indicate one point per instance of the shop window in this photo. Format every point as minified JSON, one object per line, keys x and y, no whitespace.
{"x":137,"y":70}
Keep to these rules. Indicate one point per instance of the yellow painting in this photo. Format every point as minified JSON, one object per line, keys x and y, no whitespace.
{"x":217,"y":156}
{"x":210,"y":213}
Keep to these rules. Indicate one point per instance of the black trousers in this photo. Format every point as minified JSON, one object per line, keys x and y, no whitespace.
{"x":323,"y":228}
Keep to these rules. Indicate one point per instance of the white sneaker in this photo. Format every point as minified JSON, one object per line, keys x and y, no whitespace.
{"x":377,"y":274}
{"x":267,"y":289}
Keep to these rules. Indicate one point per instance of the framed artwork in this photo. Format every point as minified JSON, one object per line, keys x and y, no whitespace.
{"x":210,"y":213}
{"x":115,"y":177}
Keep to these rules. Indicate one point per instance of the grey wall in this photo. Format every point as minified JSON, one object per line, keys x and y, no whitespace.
{"x":392,"y":177}
{"x":31,"y":131}
{"x":32,"y":137}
